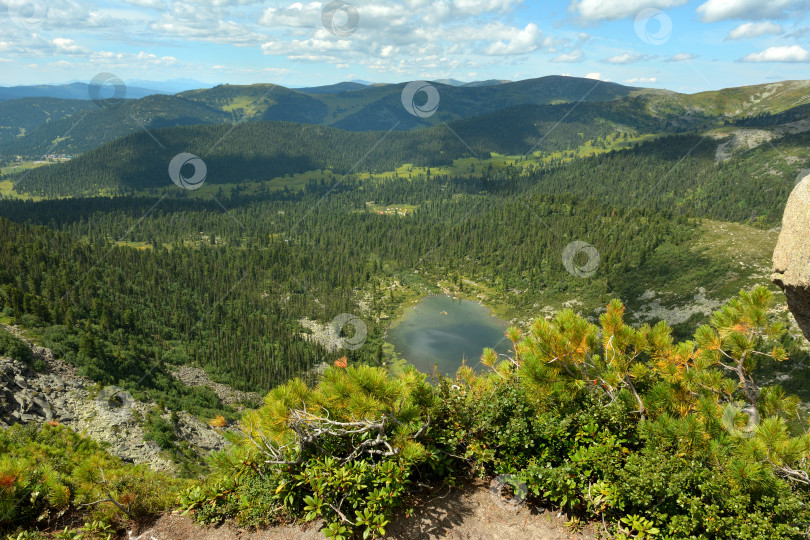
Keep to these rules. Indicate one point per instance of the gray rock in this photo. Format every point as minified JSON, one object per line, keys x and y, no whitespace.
{"x":60,"y":393}
{"x":791,"y":258}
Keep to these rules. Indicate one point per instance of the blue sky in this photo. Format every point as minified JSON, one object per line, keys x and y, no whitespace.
{"x":687,"y":46}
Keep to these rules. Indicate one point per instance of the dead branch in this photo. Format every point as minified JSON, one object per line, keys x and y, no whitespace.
{"x":109,"y":497}
{"x":310,"y":429}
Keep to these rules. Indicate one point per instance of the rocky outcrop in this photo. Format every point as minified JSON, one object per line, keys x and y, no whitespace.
{"x":108,"y":414}
{"x":195,"y":376}
{"x":791,"y":258}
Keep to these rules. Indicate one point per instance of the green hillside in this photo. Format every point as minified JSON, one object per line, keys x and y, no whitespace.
{"x":379,"y":107}
{"x":376,"y":107}
{"x":19,"y":117}
{"x":661,"y":395}
{"x":96,"y":125}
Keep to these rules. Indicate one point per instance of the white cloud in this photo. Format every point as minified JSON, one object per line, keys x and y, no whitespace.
{"x":477,"y":7}
{"x":681,"y":57}
{"x":194,"y":22}
{"x":36,"y":45}
{"x":595,"y":10}
{"x":792,"y":53}
{"x":642,"y":80}
{"x":524,"y":41}
{"x":409,"y":45}
{"x":68,"y":46}
{"x":296,"y":15}
{"x":626,"y":58}
{"x":141,"y":59}
{"x":751,"y":30}
{"x":404,"y":37}
{"x":152,"y":4}
{"x":597,"y":76}
{"x":721,"y":10}
{"x":573,"y":56}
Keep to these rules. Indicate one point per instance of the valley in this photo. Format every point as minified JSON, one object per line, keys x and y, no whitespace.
{"x":335,"y":236}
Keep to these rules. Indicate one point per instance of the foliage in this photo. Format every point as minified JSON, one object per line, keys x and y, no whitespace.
{"x":612,"y":423}
{"x":332,"y":470}
{"x":50,"y":471}
{"x":124,"y":316}
{"x":13,"y":347}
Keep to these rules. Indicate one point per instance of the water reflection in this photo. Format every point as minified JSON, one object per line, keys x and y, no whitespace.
{"x":443,"y":331}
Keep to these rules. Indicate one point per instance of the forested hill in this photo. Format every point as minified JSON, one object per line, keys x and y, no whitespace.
{"x":250,"y":152}
{"x":89,"y":125}
{"x":376,"y":107}
{"x":679,"y":172}
{"x":60,"y":129}
{"x":20,"y":116}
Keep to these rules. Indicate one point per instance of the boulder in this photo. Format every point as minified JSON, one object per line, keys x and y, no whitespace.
{"x":791,"y":258}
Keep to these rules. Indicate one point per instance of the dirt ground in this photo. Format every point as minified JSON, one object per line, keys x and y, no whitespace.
{"x":465,"y":513}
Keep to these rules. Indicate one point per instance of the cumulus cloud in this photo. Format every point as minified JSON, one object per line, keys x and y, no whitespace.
{"x":396,"y":36}
{"x":68,"y":46}
{"x":190,"y":21}
{"x":569,"y":57}
{"x":477,"y":7}
{"x":642,"y":80}
{"x":751,"y":30}
{"x":791,"y":53}
{"x":296,"y":15}
{"x":626,"y":58}
{"x":524,"y":41}
{"x":721,"y":10}
{"x":681,"y":57}
{"x":597,"y":76}
{"x":595,"y":10}
{"x":36,"y":45}
{"x":152,"y":4}
{"x":390,"y":34}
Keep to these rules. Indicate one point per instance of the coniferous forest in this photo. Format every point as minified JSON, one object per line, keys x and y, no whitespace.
{"x":634,"y":425}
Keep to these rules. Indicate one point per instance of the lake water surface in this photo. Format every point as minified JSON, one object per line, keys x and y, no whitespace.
{"x":424,"y":336}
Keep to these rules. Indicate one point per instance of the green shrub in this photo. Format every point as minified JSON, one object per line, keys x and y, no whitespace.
{"x":13,"y":347}
{"x":619,"y":425}
{"x":159,"y":430}
{"x":48,"y":471}
{"x":349,"y":464}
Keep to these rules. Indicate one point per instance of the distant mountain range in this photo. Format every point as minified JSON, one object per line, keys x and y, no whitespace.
{"x":135,"y":89}
{"x":35,"y":126}
{"x":139,"y":88}
{"x":75,"y":90}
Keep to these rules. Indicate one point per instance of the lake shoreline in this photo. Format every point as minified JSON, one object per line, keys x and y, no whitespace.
{"x":443,"y":330}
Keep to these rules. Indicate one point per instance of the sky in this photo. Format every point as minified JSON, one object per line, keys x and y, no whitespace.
{"x":681,"y":45}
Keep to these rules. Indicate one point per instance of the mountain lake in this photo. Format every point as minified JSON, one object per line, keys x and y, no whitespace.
{"x":443,"y":331}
